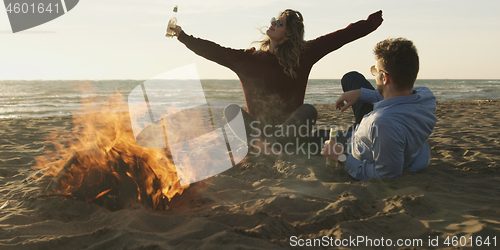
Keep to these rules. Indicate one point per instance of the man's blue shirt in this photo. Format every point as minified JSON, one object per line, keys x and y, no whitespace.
{"x":393,"y":137}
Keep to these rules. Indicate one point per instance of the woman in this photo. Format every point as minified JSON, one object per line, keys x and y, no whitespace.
{"x":274,"y":78}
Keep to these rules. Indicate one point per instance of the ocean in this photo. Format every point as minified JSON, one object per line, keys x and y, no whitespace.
{"x":44,"y":98}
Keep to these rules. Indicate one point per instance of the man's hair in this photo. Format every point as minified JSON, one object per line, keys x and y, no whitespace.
{"x":399,"y":57}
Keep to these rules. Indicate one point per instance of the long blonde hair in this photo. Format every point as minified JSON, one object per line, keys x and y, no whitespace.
{"x":288,"y":53}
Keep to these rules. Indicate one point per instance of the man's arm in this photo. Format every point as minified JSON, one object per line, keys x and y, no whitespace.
{"x":349,"y":98}
{"x":370,"y":96}
{"x":387,"y":153}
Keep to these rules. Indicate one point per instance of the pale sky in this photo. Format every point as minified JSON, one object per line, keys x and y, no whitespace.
{"x":124,"y":39}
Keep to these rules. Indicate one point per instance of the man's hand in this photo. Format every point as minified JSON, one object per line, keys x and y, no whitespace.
{"x":333,"y":152}
{"x":349,"y":97}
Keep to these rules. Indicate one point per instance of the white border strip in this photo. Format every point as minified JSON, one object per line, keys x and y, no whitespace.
{"x":63,"y":3}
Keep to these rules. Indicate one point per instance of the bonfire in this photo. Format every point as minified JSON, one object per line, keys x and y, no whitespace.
{"x":101,"y":162}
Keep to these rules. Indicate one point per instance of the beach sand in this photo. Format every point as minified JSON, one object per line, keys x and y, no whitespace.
{"x":264,"y":202}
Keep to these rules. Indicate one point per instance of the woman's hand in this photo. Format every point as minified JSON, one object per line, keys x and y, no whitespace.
{"x":376,"y":18}
{"x":177,"y":30}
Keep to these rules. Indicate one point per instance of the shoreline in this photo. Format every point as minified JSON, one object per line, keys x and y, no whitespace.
{"x":445,"y":102}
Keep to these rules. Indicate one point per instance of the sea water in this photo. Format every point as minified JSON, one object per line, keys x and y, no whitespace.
{"x":23,"y":98}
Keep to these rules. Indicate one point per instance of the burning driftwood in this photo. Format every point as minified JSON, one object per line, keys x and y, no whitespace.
{"x":104,"y":164}
{"x":115,"y":185}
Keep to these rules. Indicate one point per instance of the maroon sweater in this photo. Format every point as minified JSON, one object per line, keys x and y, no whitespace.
{"x":271,"y":96}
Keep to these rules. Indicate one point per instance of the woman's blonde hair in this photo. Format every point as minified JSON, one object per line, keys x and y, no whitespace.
{"x":288,"y":53}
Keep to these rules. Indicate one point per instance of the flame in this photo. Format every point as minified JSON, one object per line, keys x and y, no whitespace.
{"x":101,"y":158}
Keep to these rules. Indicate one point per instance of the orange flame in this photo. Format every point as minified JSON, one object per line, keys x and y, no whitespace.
{"x":101,"y":158}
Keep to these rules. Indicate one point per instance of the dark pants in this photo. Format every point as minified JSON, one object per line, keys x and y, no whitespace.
{"x":352,"y":81}
{"x":298,"y":125}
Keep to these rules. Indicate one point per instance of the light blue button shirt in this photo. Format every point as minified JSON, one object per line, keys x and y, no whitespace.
{"x":393,"y":137}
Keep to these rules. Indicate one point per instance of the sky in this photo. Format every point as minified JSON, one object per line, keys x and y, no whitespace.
{"x":124,"y":39}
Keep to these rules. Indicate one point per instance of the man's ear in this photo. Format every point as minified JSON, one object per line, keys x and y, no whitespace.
{"x":386,"y":78}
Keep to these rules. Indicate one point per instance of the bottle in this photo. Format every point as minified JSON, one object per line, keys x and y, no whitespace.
{"x":171,"y":23}
{"x":333,"y":139}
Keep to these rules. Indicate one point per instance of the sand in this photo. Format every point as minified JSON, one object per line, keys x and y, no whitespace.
{"x":272,"y":202}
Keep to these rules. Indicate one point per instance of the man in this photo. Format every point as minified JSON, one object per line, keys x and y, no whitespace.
{"x":395,"y":121}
